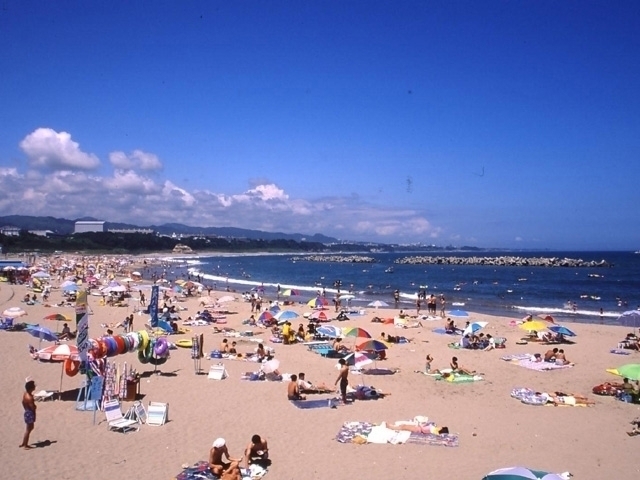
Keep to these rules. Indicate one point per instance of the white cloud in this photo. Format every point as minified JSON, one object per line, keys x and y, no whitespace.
{"x":47,"y":148}
{"x":137,"y":160}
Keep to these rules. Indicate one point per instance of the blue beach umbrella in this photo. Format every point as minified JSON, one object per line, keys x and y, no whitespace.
{"x":458,"y":313}
{"x":284,"y":315}
{"x":329,"y":331}
{"x":70,"y":288}
{"x":562,"y":330}
{"x":474,"y":327}
{"x":520,"y":473}
{"x":42,"y":333}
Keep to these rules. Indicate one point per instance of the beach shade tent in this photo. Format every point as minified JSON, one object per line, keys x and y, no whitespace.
{"x":521,"y":473}
{"x":274,"y":309}
{"x":265,"y":317}
{"x":284,"y":315}
{"x":14,"y":312}
{"x":226,"y":298}
{"x":562,"y":330}
{"x":474,"y":327}
{"x":355,"y":332}
{"x":58,"y":353}
{"x":458,"y":313}
{"x":319,"y":316}
{"x":330,"y":331}
{"x":533,"y":325}
{"x":378,"y":304}
{"x":318,"y":302}
{"x":41,"y":333}
{"x":630,"y":371}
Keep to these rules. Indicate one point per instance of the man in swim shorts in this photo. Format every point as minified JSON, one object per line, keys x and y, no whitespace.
{"x":293,"y":389}
{"x":343,"y":378}
{"x":257,"y":451}
{"x":29,"y":405}
{"x":216,"y":464}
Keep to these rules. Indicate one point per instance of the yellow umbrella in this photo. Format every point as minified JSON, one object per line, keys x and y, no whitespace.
{"x":533,"y":325}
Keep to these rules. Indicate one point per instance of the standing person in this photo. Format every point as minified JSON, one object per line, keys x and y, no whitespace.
{"x":131,"y":323}
{"x":143,"y":300}
{"x":396,"y":297}
{"x":29,"y":405}
{"x":418,"y":305}
{"x":443,"y":304}
{"x":343,"y":378}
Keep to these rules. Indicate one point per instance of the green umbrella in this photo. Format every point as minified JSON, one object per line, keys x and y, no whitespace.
{"x":630,"y":371}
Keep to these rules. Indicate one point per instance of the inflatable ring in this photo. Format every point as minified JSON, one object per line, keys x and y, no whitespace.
{"x":120,"y":345}
{"x":71,"y":367}
{"x":141,"y":357}
{"x":134,"y":341}
{"x":101,"y":349}
{"x":112,"y":346}
{"x":144,"y":340}
{"x":161,"y":348}
{"x":184,"y":343}
{"x":157,"y":361}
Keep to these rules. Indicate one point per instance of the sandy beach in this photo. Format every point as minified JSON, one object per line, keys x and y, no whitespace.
{"x":494,"y":429}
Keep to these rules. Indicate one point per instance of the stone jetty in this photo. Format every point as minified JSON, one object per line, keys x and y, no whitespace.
{"x":503,"y":261}
{"x":335,"y":258}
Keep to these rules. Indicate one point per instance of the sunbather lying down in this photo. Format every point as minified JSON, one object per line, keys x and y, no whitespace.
{"x":559,"y":398}
{"x":418,"y":427}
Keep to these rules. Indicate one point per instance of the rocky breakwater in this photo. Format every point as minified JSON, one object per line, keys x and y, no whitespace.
{"x":503,"y":261}
{"x":335,"y":258}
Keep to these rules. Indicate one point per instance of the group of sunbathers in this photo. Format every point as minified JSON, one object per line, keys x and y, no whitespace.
{"x":554,"y":355}
{"x":478,"y":342}
{"x":630,"y":342}
{"x":257,"y":451}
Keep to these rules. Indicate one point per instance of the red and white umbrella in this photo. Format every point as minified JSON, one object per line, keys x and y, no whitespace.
{"x":58,"y":353}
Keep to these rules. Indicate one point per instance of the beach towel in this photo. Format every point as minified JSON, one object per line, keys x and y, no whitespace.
{"x":200,"y":471}
{"x":445,"y":440}
{"x":458,"y":378}
{"x":316,"y":403}
{"x":352,"y":430}
{"x":442,"y":331}
{"x":516,"y":356}
{"x":365,"y":432}
{"x":617,"y":351}
{"x":541,"y":366}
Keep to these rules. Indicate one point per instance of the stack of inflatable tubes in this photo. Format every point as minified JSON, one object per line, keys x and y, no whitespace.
{"x":150,"y":350}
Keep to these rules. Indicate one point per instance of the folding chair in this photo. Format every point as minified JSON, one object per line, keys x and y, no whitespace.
{"x":115,"y":420}
{"x":217,"y":372}
{"x":157,"y":413}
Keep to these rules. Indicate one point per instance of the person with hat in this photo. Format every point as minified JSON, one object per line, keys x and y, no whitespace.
{"x":217,"y":465}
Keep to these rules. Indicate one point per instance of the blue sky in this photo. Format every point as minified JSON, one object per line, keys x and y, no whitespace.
{"x":496,"y":124}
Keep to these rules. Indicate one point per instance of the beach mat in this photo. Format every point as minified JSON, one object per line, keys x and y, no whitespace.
{"x":201,"y":471}
{"x":445,"y":440}
{"x":541,"y":366}
{"x":350,"y":430}
{"x":441,"y":331}
{"x":316,"y":403}
{"x":618,"y":351}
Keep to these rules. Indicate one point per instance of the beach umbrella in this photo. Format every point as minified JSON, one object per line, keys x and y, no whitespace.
{"x":520,"y":473}
{"x":533,"y":325}
{"x":290,"y":292}
{"x":284,"y":315}
{"x":458,"y":313}
{"x":330,"y":331}
{"x":355,"y":332}
{"x":41,"y":274}
{"x":562,"y":330}
{"x":226,"y":298}
{"x":318,"y":315}
{"x":358,"y":359}
{"x":274,"y":309}
{"x":474,"y":327}
{"x":58,"y":353}
{"x":136,"y":274}
{"x":318,"y":302}
{"x":41,"y":333}
{"x":630,"y":317}
{"x":547,"y":318}
{"x":67,"y":283}
{"x":72,"y":287}
{"x":372,"y":345}
{"x":270,"y":366}
{"x":57,"y":317}
{"x":630,"y":371}
{"x":14,"y":312}
{"x":378,"y":303}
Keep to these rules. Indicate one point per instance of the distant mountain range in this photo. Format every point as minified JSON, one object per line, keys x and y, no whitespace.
{"x":62,"y":226}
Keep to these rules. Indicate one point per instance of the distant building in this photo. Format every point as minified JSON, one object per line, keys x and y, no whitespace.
{"x":41,"y":233}
{"x":88,"y":226}
{"x":131,"y":230}
{"x":10,"y":231}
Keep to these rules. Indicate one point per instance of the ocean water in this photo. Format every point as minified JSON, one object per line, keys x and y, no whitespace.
{"x":569,"y":294}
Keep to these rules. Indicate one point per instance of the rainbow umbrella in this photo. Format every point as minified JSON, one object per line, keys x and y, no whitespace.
{"x":355,"y":332}
{"x":372,"y":345}
{"x":265,"y":317}
{"x":290,"y":292}
{"x":318,"y":302}
{"x":57,"y":317}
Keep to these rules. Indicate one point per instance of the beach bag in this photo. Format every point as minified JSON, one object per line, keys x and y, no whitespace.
{"x":216,"y":354}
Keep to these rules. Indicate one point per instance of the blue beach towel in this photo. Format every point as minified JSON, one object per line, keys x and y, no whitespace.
{"x":318,"y":403}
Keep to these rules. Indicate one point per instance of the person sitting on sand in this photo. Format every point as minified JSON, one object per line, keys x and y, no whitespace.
{"x":216,"y":464}
{"x":293,"y":391}
{"x":257,"y":451}
{"x":307,"y":387}
{"x":224,"y":346}
{"x":491,"y":343}
{"x":561,"y":359}
{"x":402,"y":314}
{"x":455,"y":368}
{"x":301,"y":333}
{"x":427,"y":365}
{"x":536,"y":358}
{"x":449,"y":326}
{"x":65,"y":334}
{"x":233,"y":350}
{"x":339,"y":347}
{"x":550,"y":355}
{"x":261,"y":352}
